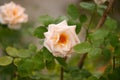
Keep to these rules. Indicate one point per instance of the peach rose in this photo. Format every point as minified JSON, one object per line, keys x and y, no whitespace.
{"x":12,"y":15}
{"x":60,"y":39}
{"x":98,"y":2}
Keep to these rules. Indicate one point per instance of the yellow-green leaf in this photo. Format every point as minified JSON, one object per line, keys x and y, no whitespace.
{"x":5,"y":60}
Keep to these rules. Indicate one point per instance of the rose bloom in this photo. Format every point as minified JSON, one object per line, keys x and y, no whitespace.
{"x":12,"y":15}
{"x":98,"y":2}
{"x":60,"y":39}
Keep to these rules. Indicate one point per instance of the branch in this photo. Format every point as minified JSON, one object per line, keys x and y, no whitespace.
{"x":81,"y":61}
{"x":113,"y":62}
{"x":62,"y":74}
{"x":100,"y":23}
{"x":105,"y":14}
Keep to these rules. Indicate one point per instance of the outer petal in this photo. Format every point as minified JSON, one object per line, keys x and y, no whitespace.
{"x":62,"y":24}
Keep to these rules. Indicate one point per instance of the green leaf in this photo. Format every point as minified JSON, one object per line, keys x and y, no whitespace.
{"x":50,"y":64}
{"x":102,"y":78}
{"x":73,"y":11}
{"x":92,"y":78}
{"x":46,"y":20}
{"x":94,"y":53}
{"x":5,"y":60}
{"x":112,"y":39}
{"x":62,"y":62}
{"x":25,"y":67}
{"x":12,"y":51}
{"x":106,"y":55}
{"x":23,"y":53}
{"x":78,"y":28}
{"x":115,"y":74}
{"x":16,"y":61}
{"x":99,"y":34}
{"x":38,"y":60}
{"x":100,"y":9}
{"x":47,"y":55}
{"x":83,"y":18}
{"x":78,"y":25}
{"x":117,"y":51}
{"x":79,"y":74}
{"x":97,"y":37}
{"x":39,"y":32}
{"x":83,"y":47}
{"x":88,"y":6}
{"x":32,"y":48}
{"x":60,"y":19}
{"x":111,"y":24}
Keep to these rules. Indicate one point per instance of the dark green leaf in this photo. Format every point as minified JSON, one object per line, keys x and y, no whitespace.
{"x":113,"y":39}
{"x":62,"y":62}
{"x":50,"y":64}
{"x":25,"y":67}
{"x":117,"y":51}
{"x":92,"y":78}
{"x":106,"y":54}
{"x":73,"y":11}
{"x":83,"y":18}
{"x":47,"y":55}
{"x":78,"y":28}
{"x":102,"y":78}
{"x":38,"y":61}
{"x":115,"y":74}
{"x":78,"y":25}
{"x":79,"y":74}
{"x":39,"y":32}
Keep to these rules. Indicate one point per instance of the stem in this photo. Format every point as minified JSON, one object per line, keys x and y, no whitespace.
{"x":81,"y":61}
{"x":100,"y":23}
{"x":82,"y":58}
{"x":62,"y":71}
{"x":104,"y":16}
{"x":62,"y":74}
{"x":113,"y":62}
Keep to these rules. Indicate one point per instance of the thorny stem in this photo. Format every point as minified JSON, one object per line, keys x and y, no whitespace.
{"x":100,"y":23}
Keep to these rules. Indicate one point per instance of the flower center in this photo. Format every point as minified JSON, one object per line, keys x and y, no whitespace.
{"x":63,"y":39}
{"x":15,"y":12}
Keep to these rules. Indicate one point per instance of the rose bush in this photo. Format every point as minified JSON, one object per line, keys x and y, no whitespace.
{"x":12,"y":15}
{"x":96,"y":58}
{"x":60,"y":39}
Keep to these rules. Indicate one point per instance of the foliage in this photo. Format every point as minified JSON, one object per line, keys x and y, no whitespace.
{"x":24,"y":61}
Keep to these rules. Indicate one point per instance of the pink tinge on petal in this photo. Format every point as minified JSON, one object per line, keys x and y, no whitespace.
{"x":60,"y":39}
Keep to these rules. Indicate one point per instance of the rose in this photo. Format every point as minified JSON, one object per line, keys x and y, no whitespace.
{"x":12,"y":15}
{"x":60,"y":39}
{"x":98,"y":2}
